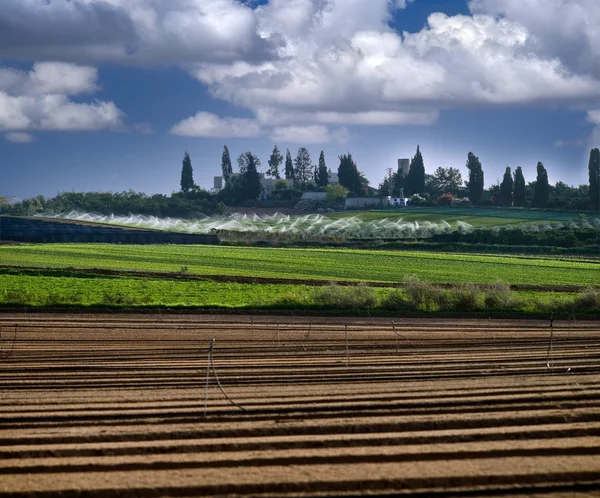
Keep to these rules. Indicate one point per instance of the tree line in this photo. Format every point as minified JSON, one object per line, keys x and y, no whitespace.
{"x":444,"y":186}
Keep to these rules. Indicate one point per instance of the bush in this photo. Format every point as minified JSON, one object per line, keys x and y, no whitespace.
{"x":589,"y":300}
{"x":424,"y":296}
{"x":499,"y":296}
{"x":445,"y":200}
{"x":355,"y":297}
{"x":395,"y":300}
{"x":467,"y":297}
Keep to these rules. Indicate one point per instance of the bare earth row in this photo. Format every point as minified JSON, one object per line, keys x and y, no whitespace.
{"x":101,"y":405}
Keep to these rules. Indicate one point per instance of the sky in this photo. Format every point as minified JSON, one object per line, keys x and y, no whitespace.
{"x":107,"y":95}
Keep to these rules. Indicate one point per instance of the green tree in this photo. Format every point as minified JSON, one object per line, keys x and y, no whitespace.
{"x":251,"y":185}
{"x":290,"y":174}
{"x":322,"y":175}
{"x":302,"y":165}
{"x":594,"y":172}
{"x":187,"y":174}
{"x":336,"y":193}
{"x":274,"y":162}
{"x":226,"y":167}
{"x":348,"y":174}
{"x":475,"y":183}
{"x":506,"y":189}
{"x":519,"y":188}
{"x":415,"y":181}
{"x":444,"y":181}
{"x":540,"y":197}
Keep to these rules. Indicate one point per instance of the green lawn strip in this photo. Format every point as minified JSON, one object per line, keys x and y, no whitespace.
{"x":321,"y":264}
{"x":125,"y":292}
{"x":473,"y":216}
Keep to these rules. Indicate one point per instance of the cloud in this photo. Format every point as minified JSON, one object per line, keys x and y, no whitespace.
{"x":138,"y":32}
{"x":310,"y":134}
{"x":340,"y":63}
{"x":299,"y":63}
{"x":563,"y":29}
{"x":569,"y":143}
{"x":40,"y":99}
{"x":19,"y":137}
{"x":205,"y":124}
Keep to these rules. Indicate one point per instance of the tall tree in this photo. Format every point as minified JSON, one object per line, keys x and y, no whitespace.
{"x":444,"y":181}
{"x":348,"y":174}
{"x":540,"y":196}
{"x":290,"y":174}
{"x":226,"y":168}
{"x":594,"y":171}
{"x":322,"y":175}
{"x":274,"y":162}
{"x":302,"y":165}
{"x":187,"y":174}
{"x":415,"y":181}
{"x":519,"y":188}
{"x":475,"y":183}
{"x":506,"y":189}
{"x":251,"y":185}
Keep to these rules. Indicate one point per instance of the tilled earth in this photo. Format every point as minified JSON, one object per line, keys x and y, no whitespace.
{"x":105,"y":405}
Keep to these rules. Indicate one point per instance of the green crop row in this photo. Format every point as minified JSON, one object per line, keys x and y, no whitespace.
{"x":320,"y":264}
{"x":126,"y":292}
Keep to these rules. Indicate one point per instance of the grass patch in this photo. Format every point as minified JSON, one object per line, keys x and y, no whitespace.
{"x":415,"y":296}
{"x":308,"y":263}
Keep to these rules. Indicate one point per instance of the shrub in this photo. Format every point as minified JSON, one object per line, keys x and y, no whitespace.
{"x":467,"y":297}
{"x":355,"y":297}
{"x":499,"y":296}
{"x":394,"y":300}
{"x":424,"y":296}
{"x":445,"y":200}
{"x":588,"y":300}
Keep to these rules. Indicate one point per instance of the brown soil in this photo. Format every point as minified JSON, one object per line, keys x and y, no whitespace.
{"x":102,"y":405}
{"x":270,"y":280}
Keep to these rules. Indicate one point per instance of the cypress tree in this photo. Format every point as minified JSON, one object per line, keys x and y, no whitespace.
{"x":251,"y":185}
{"x":594,"y":171}
{"x":506,"y":189}
{"x":475,"y":183}
{"x":415,"y":181}
{"x":187,"y":174}
{"x":289,"y":166}
{"x":322,"y":176}
{"x":348,"y":174}
{"x":274,"y":162}
{"x":540,"y":196}
{"x":519,"y":188}
{"x":226,"y":168}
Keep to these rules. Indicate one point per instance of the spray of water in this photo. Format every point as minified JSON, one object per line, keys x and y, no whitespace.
{"x":310,"y":226}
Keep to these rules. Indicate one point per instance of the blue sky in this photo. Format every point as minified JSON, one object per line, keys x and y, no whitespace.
{"x":107,"y":95}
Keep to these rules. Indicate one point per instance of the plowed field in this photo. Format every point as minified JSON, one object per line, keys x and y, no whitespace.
{"x":104,"y":405}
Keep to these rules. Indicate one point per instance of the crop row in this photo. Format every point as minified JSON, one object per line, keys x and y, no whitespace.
{"x":127,"y":292}
{"x":321,"y":264}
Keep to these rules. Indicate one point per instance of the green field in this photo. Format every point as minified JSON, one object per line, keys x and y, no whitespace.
{"x":474,"y":216}
{"x":320,"y":264}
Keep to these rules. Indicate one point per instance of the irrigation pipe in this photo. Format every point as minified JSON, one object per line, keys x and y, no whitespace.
{"x":548,"y":358}
{"x":347,"y":350}
{"x":211,"y":365}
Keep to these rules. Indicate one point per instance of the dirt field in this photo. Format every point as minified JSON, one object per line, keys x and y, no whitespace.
{"x":105,"y":405}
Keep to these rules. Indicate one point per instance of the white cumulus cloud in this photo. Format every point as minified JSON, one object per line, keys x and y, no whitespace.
{"x":40,"y":99}
{"x":19,"y":137}
{"x":309,"y":134}
{"x":205,"y":124}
